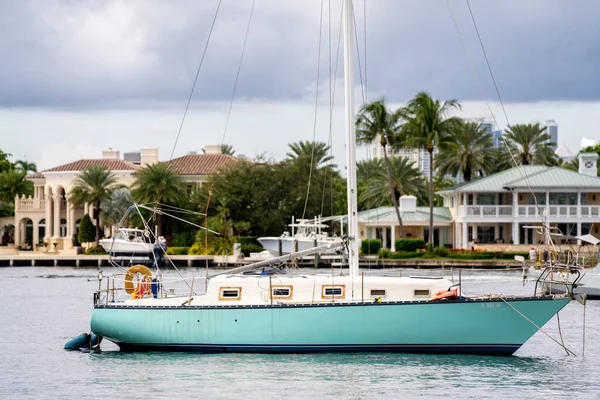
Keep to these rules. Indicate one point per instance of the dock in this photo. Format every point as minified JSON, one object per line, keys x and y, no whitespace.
{"x":97,"y":261}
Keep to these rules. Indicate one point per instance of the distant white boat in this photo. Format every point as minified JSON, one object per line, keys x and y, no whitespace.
{"x":577,"y":276}
{"x":130,"y":242}
{"x":306,"y":234}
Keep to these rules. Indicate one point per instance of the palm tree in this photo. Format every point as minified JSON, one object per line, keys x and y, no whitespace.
{"x":374,"y":183}
{"x":530,"y":144}
{"x":114,"y":208}
{"x":92,"y":186}
{"x":12,"y":184}
{"x":227,"y":149}
{"x":376,"y":123}
{"x":25,"y":166}
{"x":471,"y":153}
{"x":318,"y":152}
{"x":428,"y":126}
{"x":158,"y":183}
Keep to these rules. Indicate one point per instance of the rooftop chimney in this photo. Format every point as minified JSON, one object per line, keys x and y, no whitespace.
{"x":148,"y":157}
{"x":110,"y":154}
{"x":408,"y":204}
{"x":214,"y":149}
{"x":588,"y":164}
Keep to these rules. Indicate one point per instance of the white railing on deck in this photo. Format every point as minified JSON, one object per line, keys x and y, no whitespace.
{"x":590,"y":211}
{"x":489,"y":211}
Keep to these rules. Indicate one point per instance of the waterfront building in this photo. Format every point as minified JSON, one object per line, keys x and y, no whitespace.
{"x":48,"y":219}
{"x":501,"y":208}
{"x":382,"y":223}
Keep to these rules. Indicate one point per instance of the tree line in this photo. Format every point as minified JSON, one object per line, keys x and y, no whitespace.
{"x":258,"y":198}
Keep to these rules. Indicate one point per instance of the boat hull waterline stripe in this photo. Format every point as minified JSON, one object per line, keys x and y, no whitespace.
{"x":506,"y":349}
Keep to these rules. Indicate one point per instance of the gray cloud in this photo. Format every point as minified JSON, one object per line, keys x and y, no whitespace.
{"x":106,"y":54}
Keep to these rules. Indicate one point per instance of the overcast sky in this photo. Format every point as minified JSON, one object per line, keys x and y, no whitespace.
{"x":77,"y":77}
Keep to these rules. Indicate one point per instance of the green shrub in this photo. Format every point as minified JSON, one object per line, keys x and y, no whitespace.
{"x":246,"y":240}
{"x":472,"y":255}
{"x":251,"y":248}
{"x":183,"y":239}
{"x":177,"y":251}
{"x":370,"y":246}
{"x":441,"y":252}
{"x":384,"y":253}
{"x":410,"y":244}
{"x":398,"y":255}
{"x":510,"y":255}
{"x":87,"y":230}
{"x":217,"y":246}
{"x":95,"y":250}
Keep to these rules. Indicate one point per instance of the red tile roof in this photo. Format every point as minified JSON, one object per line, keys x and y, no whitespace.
{"x":201,"y":164}
{"x":82,"y":165}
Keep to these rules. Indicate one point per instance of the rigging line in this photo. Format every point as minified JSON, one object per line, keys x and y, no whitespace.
{"x":180,"y":219}
{"x":362,"y":86}
{"x":162,"y":248}
{"x":330,"y":96}
{"x":196,"y":78}
{"x":332,"y":83}
{"x":501,"y":103}
{"x":365,"y":46}
{"x":314,"y":144}
{"x":487,"y":62}
{"x":332,"y":101}
{"x":237,"y":76}
{"x":474,"y":71}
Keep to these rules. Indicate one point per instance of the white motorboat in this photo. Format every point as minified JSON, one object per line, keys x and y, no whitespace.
{"x":580,"y":270}
{"x":306,"y":234}
{"x":131,"y":243}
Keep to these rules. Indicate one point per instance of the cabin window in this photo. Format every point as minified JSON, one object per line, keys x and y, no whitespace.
{"x":333,"y":292}
{"x":422,"y":293}
{"x":230,"y":293}
{"x":281,"y":292}
{"x":377,"y":292}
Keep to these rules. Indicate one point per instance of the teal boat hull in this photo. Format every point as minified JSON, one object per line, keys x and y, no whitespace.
{"x":487,"y":326}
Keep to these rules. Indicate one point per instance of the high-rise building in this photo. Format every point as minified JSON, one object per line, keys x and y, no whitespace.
{"x":498,"y":142}
{"x":552,"y":130}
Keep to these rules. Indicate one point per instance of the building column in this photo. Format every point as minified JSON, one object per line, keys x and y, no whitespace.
{"x":36,"y":234}
{"x":17,"y":235}
{"x":56,"y":224}
{"x":68,"y":241}
{"x":384,"y":238}
{"x":49,"y":224}
{"x":393,"y":246}
{"x":515,"y":203}
{"x":465,"y":238}
{"x":579,"y":232}
{"x":578,"y":204}
{"x":515,"y":232}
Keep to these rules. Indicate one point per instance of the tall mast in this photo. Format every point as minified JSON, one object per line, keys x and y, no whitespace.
{"x":350,"y":135}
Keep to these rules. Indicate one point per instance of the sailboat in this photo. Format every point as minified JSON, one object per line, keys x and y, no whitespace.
{"x":253,"y":310}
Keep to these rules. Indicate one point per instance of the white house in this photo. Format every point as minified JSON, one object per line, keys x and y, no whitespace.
{"x":382,"y":223}
{"x":504,"y":207}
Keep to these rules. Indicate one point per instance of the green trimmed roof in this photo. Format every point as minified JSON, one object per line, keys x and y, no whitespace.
{"x":388,"y":214}
{"x":526,"y":176}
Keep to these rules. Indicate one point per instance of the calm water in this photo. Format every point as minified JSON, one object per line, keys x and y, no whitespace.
{"x":42,"y":308}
